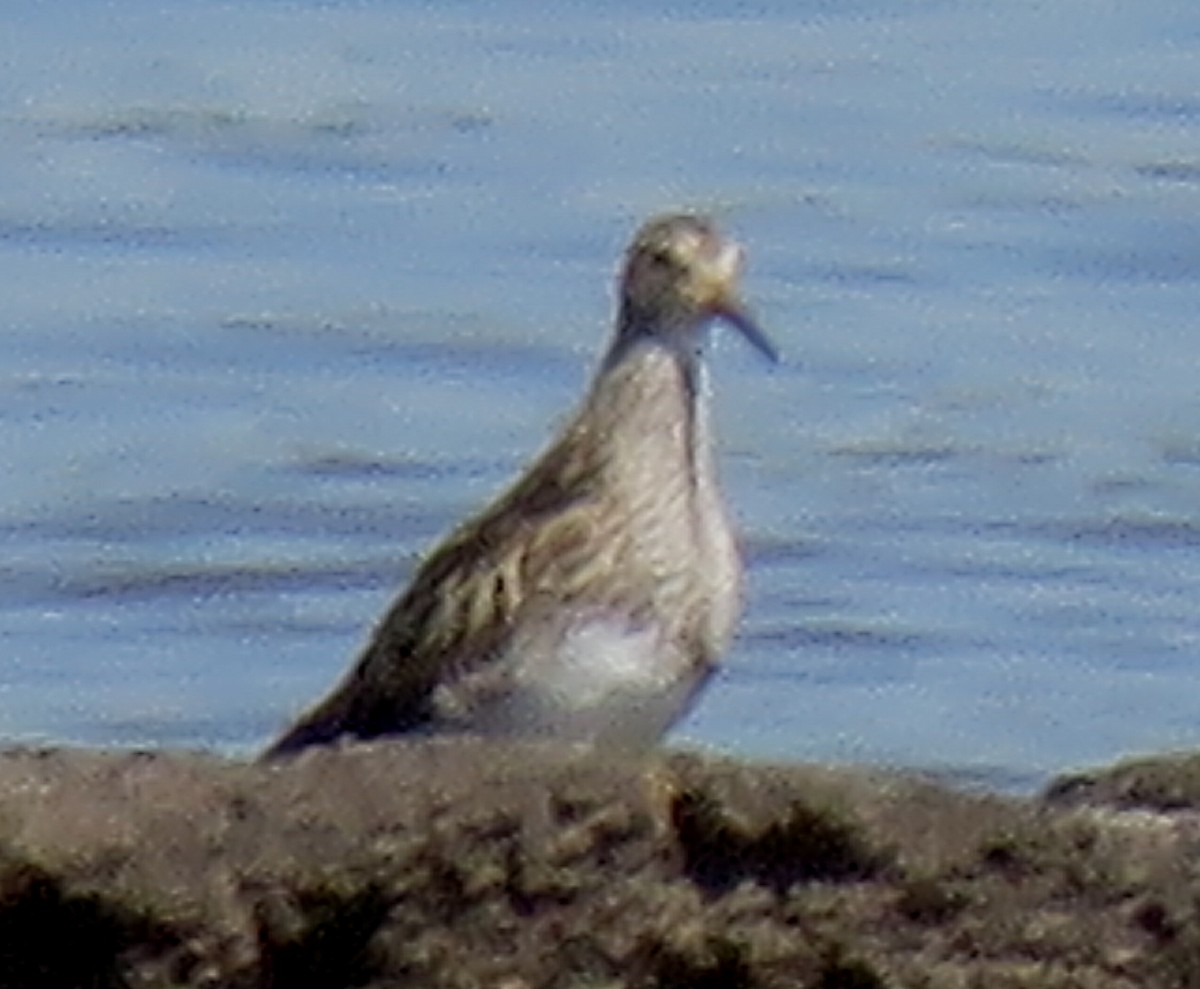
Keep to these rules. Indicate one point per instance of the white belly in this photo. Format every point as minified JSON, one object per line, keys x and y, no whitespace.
{"x":599,"y":680}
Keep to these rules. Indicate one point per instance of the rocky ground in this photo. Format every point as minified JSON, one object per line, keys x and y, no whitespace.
{"x":470,"y":864}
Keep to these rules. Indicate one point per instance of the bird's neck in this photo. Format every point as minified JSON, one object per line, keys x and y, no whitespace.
{"x":644,"y":432}
{"x":649,"y":407}
{"x":634,"y":334}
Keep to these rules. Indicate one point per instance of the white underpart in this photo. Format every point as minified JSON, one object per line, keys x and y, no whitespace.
{"x":598,"y":680}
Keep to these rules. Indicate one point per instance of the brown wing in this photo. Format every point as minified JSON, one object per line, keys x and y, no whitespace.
{"x":458,"y":612}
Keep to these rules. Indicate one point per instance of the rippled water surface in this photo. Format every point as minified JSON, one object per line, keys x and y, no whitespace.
{"x":289,"y":287}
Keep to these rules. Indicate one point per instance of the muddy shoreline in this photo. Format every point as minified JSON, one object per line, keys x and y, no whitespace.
{"x":459,"y":863}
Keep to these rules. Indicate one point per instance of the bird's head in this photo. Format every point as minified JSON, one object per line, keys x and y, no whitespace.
{"x":680,"y":274}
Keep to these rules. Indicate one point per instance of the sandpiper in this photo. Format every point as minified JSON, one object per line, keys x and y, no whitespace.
{"x":593,"y":599}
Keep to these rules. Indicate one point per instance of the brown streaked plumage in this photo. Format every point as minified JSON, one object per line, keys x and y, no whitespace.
{"x":594,"y":598}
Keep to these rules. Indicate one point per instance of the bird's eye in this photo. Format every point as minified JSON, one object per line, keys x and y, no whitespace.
{"x":661,"y":257}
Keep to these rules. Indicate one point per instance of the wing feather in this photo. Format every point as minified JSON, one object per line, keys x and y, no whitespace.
{"x":465,"y":599}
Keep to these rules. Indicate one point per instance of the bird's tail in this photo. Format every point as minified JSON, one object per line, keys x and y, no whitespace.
{"x":351,"y":711}
{"x":324,"y":724}
{"x":308,"y":731}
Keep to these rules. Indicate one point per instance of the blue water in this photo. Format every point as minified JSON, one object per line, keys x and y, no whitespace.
{"x":290,"y":287}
